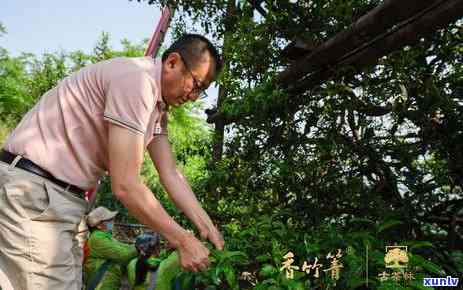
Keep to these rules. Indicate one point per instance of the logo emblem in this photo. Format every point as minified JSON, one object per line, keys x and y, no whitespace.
{"x":396,"y":257}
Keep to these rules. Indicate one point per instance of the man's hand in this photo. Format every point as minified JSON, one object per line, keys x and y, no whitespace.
{"x":212,"y":234}
{"x":194,"y":256}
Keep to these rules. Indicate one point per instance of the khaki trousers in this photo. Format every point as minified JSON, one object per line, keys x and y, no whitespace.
{"x":39,"y":243}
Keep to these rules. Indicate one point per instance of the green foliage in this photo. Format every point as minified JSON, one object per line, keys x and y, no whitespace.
{"x":221,"y":273}
{"x":14,"y":92}
{"x":369,"y":159}
{"x":258,"y":262}
{"x":102,"y":50}
{"x":2,"y":29}
{"x":372,"y":157}
{"x":47,"y":72}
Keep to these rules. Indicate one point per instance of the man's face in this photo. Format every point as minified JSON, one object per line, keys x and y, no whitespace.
{"x":182,"y":83}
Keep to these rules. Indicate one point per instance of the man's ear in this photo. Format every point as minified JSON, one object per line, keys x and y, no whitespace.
{"x":173,"y":59}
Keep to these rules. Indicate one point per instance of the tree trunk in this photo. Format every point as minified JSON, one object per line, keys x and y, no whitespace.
{"x":219,"y":123}
{"x":218,"y":131}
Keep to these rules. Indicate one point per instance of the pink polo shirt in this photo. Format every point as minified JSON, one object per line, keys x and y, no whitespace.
{"x":66,"y":132}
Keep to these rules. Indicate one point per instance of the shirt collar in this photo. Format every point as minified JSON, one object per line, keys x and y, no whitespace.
{"x":157,"y":77}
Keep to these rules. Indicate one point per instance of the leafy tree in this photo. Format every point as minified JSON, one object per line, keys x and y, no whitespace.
{"x":367,"y":159}
{"x":382,"y":143}
{"x":2,"y":29}
{"x":102,"y":50}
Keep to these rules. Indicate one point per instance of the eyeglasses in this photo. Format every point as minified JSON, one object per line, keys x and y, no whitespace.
{"x":197,"y":87}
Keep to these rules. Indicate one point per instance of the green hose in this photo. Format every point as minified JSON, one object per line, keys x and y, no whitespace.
{"x":167,"y":271}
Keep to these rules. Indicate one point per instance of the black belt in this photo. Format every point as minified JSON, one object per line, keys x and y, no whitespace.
{"x":31,"y":167}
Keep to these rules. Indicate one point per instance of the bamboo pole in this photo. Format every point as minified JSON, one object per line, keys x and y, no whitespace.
{"x":159,"y":33}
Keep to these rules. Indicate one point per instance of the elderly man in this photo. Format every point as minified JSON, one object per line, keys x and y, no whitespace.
{"x":100,"y":119}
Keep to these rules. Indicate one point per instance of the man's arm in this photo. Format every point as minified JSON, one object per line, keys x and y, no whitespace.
{"x":180,"y":191}
{"x":125,"y":160}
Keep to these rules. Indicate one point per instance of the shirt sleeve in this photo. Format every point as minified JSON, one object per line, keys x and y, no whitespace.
{"x":129,"y":101}
{"x":103,"y":246}
{"x":168,"y":270}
